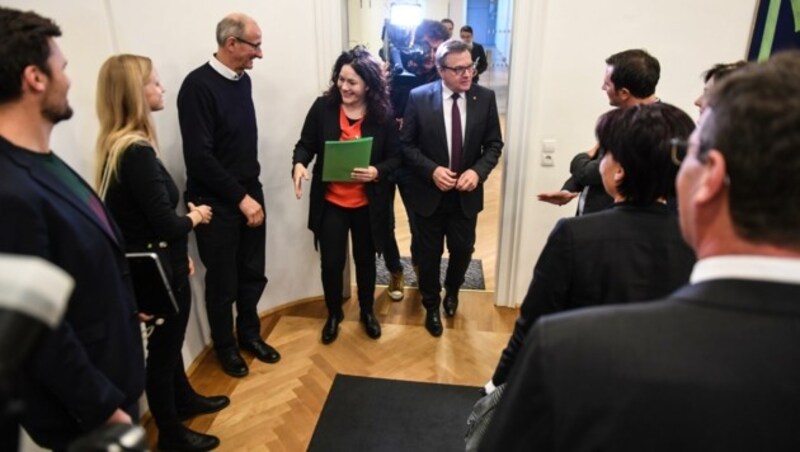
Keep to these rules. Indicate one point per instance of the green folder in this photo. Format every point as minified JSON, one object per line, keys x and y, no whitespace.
{"x":342,"y":156}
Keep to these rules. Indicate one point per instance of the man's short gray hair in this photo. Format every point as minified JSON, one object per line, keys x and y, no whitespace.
{"x":448,"y":47}
{"x":227,"y":27}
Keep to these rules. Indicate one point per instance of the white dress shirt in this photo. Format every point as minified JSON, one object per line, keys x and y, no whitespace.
{"x":447,"y":108}
{"x":760,"y":268}
{"x":223,"y":70}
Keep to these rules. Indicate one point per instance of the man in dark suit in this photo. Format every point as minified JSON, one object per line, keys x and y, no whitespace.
{"x":90,"y":370}
{"x":714,"y":366}
{"x":476,"y":51}
{"x":630,"y":79}
{"x":450,"y":162}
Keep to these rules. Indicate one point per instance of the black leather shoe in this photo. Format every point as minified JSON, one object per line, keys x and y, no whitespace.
{"x":198,"y":405}
{"x":371,"y":325}
{"x":261,"y":350}
{"x":232,"y":362}
{"x":450,"y":304}
{"x":186,"y":440}
{"x":331,"y":329}
{"x":433,"y":323}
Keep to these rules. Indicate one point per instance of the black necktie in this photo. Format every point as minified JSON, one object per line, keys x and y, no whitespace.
{"x":455,"y":152}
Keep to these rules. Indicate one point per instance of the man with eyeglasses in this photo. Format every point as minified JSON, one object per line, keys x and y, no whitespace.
{"x":713,"y":366}
{"x":451,"y":142}
{"x":220,"y":149}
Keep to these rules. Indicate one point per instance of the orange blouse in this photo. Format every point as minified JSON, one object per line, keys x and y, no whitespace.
{"x":350,"y":195}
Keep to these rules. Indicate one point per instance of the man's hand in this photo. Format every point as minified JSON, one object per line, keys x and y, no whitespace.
{"x":444,"y":179}
{"x":468,"y":181}
{"x":298,"y":175}
{"x":593,"y":151}
{"x":558,"y":198}
{"x":119,"y":417}
{"x":252,"y":210}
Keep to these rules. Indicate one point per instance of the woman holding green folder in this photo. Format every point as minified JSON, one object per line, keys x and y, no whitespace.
{"x":356,"y":105}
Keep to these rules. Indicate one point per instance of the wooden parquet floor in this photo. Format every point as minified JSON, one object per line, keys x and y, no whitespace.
{"x":276,"y":407}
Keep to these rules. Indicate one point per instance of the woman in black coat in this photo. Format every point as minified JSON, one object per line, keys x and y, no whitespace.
{"x":142,"y":198}
{"x":356,"y":105}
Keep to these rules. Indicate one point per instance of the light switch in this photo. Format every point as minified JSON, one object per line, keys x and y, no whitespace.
{"x":548,"y":160}
{"x":549,"y":146}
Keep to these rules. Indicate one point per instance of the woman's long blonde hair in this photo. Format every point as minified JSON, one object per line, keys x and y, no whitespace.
{"x":124,"y":113}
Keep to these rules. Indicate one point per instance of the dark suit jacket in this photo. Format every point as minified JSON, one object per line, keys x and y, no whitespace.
{"x":713,"y":367}
{"x":624,"y":254}
{"x":585,"y":172}
{"x":321,"y":125}
{"x":142,"y":198}
{"x":93,"y":363}
{"x":424,"y":142}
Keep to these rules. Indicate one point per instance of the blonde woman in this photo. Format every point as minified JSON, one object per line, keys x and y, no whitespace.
{"x":142,"y":198}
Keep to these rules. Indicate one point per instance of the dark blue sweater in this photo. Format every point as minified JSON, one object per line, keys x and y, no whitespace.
{"x":220,"y":135}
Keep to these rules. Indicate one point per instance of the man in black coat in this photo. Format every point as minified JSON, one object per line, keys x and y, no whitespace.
{"x":630,"y":79}
{"x":90,"y":370}
{"x":714,"y":366}
{"x":477,"y":52}
{"x":450,"y":164}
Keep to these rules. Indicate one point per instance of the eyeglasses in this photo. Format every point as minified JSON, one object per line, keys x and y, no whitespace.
{"x":251,"y":44}
{"x":678,"y":150}
{"x":461,"y":70}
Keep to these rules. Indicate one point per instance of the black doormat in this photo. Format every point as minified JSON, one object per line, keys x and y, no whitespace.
{"x":472,"y":280}
{"x":370,"y":414}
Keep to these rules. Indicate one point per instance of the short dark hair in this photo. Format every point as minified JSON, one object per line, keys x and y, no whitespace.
{"x":639,"y":139}
{"x":754,"y":121}
{"x":468,"y":29}
{"x":636,"y":70}
{"x":24,"y":42}
{"x":368,"y":67}
{"x":447,"y":20}
{"x":721,"y":70}
{"x":431,"y":29}
{"x":448,"y":47}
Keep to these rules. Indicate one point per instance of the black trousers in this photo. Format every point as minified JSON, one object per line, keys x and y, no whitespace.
{"x":233,"y":255}
{"x":391,"y":252}
{"x":166,"y":384}
{"x":447,"y":222}
{"x":336,"y":223}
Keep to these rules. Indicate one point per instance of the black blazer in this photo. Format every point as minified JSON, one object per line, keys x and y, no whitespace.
{"x":713,"y":367}
{"x":142,"y":199}
{"x":321,"y":125}
{"x":624,"y":254}
{"x":424,"y":142}
{"x":93,"y":363}
{"x":585,"y":171}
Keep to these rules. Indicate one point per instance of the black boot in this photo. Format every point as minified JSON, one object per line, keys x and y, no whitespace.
{"x":198,"y":405}
{"x":371,"y":324}
{"x":184,"y":439}
{"x":331,"y":329}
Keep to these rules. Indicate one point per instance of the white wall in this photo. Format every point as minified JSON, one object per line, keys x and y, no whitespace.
{"x":557,"y":66}
{"x":301,"y":40}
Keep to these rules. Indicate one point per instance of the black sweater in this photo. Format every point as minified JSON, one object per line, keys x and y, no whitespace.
{"x":220,"y":136}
